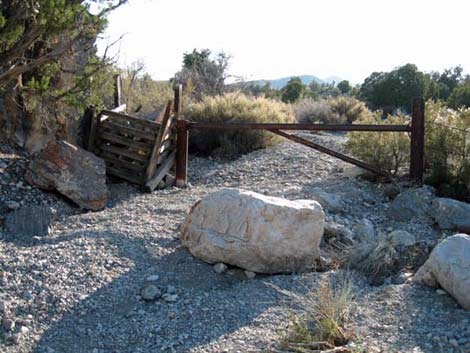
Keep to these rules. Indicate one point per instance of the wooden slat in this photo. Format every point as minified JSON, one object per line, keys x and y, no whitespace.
{"x":161,"y":172}
{"x":124,"y":152}
{"x":92,"y":134}
{"x":124,"y":175}
{"x":131,"y":119}
{"x":120,"y":109}
{"x":103,"y":135}
{"x":117,"y":128}
{"x":166,"y":122}
{"x":165,"y":146}
{"x":116,"y":160}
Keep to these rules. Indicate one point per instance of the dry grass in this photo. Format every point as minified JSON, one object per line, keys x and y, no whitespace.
{"x":236,"y":107}
{"x":320,"y":318}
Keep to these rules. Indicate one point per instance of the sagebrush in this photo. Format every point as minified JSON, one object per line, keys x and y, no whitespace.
{"x":230,"y":108}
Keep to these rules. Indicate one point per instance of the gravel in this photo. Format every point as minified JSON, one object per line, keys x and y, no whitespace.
{"x":79,"y":289}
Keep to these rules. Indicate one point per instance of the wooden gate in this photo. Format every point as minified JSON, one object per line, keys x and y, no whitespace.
{"x":138,"y":150}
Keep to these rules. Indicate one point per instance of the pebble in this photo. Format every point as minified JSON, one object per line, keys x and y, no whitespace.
{"x":170,"y":298}
{"x":8,"y":324}
{"x":152,"y":278}
{"x":453,"y":342}
{"x":220,"y":268}
{"x":250,"y":275}
{"x":150,"y":292}
{"x":441,"y":292}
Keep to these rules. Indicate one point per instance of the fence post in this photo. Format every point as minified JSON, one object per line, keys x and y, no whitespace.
{"x":182,"y":153}
{"x":417,"y":141}
{"x":178,"y":89}
{"x":117,"y":90}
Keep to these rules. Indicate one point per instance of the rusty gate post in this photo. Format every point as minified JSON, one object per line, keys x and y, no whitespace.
{"x":417,"y":141}
{"x":182,"y":153}
{"x":178,"y":89}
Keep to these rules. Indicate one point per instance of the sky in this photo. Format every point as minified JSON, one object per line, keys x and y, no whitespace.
{"x":269,"y":39}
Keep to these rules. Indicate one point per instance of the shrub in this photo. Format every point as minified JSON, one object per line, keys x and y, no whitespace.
{"x":321,"y":316}
{"x":339,"y":110}
{"x":386,"y":150}
{"x":348,"y":108}
{"x":235,"y":107}
{"x":311,"y":111}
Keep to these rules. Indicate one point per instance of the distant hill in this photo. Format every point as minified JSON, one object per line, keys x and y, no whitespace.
{"x":306,"y":80}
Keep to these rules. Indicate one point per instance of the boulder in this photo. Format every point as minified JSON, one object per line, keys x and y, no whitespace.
{"x":449,"y":266}
{"x":452,"y":214}
{"x":401,"y":238}
{"x":412,"y":203}
{"x":255,"y":232}
{"x":72,"y":171}
{"x":364,"y":230}
{"x":30,"y":221}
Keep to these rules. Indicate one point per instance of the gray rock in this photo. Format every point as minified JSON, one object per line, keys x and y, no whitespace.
{"x":250,"y":275}
{"x":340,"y":232}
{"x":150,"y":292}
{"x":30,"y":221}
{"x":402,"y":238}
{"x":412,"y":203}
{"x":452,"y":214}
{"x":328,"y":201}
{"x":220,"y":267}
{"x":3,"y":165}
{"x":170,"y":289}
{"x":364,"y":229}
{"x":8,"y":324}
{"x":170,"y":298}
{"x":74,"y":172}
{"x":449,"y":266}
{"x":152,"y":278}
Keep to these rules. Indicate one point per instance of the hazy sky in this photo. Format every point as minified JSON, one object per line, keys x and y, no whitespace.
{"x":274,"y":38}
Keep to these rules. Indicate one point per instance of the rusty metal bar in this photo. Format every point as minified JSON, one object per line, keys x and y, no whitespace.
{"x":332,"y":153}
{"x":311,"y":127}
{"x":182,"y":153}
{"x":417,"y":141}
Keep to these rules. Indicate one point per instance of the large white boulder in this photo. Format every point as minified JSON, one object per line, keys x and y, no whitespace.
{"x":449,"y":266}
{"x":255,"y":232}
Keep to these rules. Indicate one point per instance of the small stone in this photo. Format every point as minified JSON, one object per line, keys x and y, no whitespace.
{"x":250,"y":275}
{"x":441,"y":292}
{"x":170,"y":298}
{"x":220,"y":268}
{"x":453,"y":342}
{"x":3,"y":307}
{"x":150,"y":292}
{"x":24,"y":329}
{"x":170,"y":289}
{"x":3,"y":165}
{"x":152,"y":278}
{"x":8,"y":324}
{"x":13,"y":205}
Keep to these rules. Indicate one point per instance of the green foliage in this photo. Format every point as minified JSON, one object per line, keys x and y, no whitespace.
{"x":235,"y":107}
{"x":344,"y":87}
{"x":294,"y":90}
{"x":388,"y":151}
{"x":203,"y":74}
{"x":395,"y":89}
{"x":460,"y":96}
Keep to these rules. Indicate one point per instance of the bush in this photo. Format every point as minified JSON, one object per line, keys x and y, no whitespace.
{"x":447,"y":148}
{"x":235,"y":107}
{"x":387,"y":150}
{"x":339,"y":110}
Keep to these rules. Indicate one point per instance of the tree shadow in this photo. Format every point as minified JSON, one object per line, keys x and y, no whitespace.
{"x":115,"y":319}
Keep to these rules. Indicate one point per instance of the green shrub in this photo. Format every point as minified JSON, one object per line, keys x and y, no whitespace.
{"x":348,"y":108}
{"x":387,"y":150}
{"x":230,"y":108}
{"x":447,"y":148}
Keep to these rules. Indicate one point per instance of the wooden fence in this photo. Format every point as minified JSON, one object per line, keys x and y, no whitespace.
{"x":137,"y":150}
{"x":416,"y":130}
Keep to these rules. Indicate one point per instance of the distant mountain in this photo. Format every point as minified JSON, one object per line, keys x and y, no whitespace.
{"x":306,"y":80}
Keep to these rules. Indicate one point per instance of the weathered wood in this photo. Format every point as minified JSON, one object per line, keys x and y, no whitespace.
{"x":95,"y":119}
{"x":165,"y":145}
{"x":120,"y":109}
{"x":85,"y":126}
{"x":107,"y":156}
{"x":163,"y":156}
{"x":140,"y":146}
{"x":127,"y":119}
{"x":160,"y":173}
{"x":124,"y":175}
{"x":182,"y":153}
{"x":124,"y":152}
{"x":125,"y":130}
{"x":152,"y":165}
{"x":417,"y":141}
{"x":178,"y":108}
{"x":117,"y":90}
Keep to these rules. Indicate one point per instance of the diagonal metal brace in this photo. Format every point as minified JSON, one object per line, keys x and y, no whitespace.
{"x":332,"y":153}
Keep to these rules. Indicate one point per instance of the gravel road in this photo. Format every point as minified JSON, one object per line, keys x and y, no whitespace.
{"x":78,"y":290}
